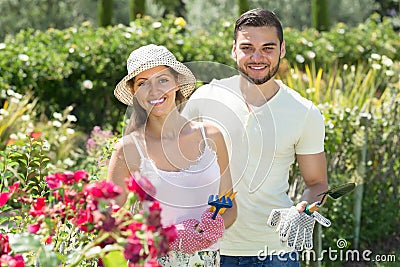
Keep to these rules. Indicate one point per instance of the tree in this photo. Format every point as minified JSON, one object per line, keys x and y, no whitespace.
{"x":320,"y":15}
{"x":243,"y":6}
{"x":136,"y":8}
{"x":105,"y":10}
{"x":173,"y":7}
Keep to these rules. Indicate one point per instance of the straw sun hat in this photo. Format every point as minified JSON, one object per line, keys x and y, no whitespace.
{"x":147,"y":57}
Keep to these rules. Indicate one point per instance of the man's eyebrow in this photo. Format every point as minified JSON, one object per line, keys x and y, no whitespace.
{"x":265,"y":44}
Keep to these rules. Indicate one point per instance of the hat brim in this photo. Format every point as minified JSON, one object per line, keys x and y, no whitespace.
{"x":186,"y":80}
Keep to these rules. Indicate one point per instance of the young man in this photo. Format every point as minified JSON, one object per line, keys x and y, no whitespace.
{"x":266,"y":126}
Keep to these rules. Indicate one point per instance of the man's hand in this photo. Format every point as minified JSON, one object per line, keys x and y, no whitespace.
{"x":296,"y":228}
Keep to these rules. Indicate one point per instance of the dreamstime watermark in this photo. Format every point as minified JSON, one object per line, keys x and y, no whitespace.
{"x":332,"y":254}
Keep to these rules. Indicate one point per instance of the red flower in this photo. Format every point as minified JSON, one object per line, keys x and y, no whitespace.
{"x":34,"y":228}
{"x":132,"y":249}
{"x":49,"y":240}
{"x":170,"y":233}
{"x":38,"y":207}
{"x":154,"y":218}
{"x":36,"y":135}
{"x":14,"y":187}
{"x":4,"y":245}
{"x":12,"y":261}
{"x":135,"y":226}
{"x":81,"y":175}
{"x":53,"y":181}
{"x":152,"y":263}
{"x":102,"y":189}
{"x":5,"y":196}
{"x":67,"y":177}
{"x":142,"y":187}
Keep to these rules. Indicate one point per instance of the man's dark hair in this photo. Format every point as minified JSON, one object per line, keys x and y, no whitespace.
{"x":258,"y":18}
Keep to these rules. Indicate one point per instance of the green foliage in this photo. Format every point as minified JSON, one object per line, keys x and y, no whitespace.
{"x":136,"y":8}
{"x":105,"y":12}
{"x":347,"y":71}
{"x":26,"y":136}
{"x":320,"y":15}
{"x":243,"y":6}
{"x":79,"y":67}
{"x":355,"y":116}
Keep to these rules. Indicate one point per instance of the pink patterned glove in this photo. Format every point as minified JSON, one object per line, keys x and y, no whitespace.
{"x":188,"y":237}
{"x":211,"y":230}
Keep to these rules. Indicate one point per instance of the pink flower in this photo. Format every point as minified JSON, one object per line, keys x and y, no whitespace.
{"x":4,"y":245}
{"x":132,"y":249}
{"x":53,"y":181}
{"x":152,"y":263}
{"x":142,"y":187}
{"x":135,"y":226}
{"x":67,"y":177}
{"x":13,"y":187}
{"x":38,"y":207}
{"x":170,"y":233}
{"x":154,"y":218}
{"x":81,"y":175}
{"x":5,"y":196}
{"x":34,"y":228}
{"x":102,"y":189}
{"x":48,"y":240}
{"x":12,"y":261}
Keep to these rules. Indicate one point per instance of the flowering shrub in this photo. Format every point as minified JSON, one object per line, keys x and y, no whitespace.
{"x":78,"y":223}
{"x":21,"y":121}
{"x":98,"y":151}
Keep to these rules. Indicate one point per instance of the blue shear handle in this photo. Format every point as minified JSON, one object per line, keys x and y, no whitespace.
{"x":224,"y":202}
{"x":215,"y":212}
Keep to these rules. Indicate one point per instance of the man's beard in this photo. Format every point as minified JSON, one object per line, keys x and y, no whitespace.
{"x":262,"y":80}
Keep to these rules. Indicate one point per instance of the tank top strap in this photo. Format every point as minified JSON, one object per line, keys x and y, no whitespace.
{"x":137,"y":145}
{"x":203,"y":133}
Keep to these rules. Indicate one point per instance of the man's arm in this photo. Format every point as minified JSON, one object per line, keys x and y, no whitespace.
{"x":313,"y":170}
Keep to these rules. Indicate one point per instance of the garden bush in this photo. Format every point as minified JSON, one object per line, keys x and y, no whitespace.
{"x":357,"y":118}
{"x":80,"y":67}
{"x":351,"y":73}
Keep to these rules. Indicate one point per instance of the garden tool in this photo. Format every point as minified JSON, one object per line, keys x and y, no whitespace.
{"x":334,"y":193}
{"x":229,"y":194}
{"x":219,"y":203}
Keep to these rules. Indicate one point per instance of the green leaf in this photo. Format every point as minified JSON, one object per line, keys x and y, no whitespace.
{"x":47,"y":257}
{"x":114,"y":259}
{"x":24,"y":242}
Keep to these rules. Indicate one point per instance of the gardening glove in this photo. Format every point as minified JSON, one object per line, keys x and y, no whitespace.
{"x":188,"y":238}
{"x":296,"y":228}
{"x":210,"y":229}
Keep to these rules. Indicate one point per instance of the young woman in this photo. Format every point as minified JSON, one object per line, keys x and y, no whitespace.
{"x":185,"y":160}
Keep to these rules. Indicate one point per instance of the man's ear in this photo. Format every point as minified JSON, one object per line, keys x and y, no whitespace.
{"x":233,"y":52}
{"x":283,"y":49}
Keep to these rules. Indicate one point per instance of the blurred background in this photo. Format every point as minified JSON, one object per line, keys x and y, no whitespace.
{"x":61,"y":59}
{"x":43,"y":14}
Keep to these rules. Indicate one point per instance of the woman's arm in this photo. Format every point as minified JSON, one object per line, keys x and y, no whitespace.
{"x":219,"y":146}
{"x":124,"y":161}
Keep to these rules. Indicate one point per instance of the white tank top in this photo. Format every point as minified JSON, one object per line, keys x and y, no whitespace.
{"x":183,"y":194}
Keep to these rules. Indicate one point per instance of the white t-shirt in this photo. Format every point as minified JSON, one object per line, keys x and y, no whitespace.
{"x":262,"y":144}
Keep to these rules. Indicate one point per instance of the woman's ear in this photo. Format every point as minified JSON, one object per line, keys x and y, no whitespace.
{"x":179,"y":81}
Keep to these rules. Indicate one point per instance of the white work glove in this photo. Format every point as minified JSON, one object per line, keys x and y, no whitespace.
{"x":296,"y":228}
